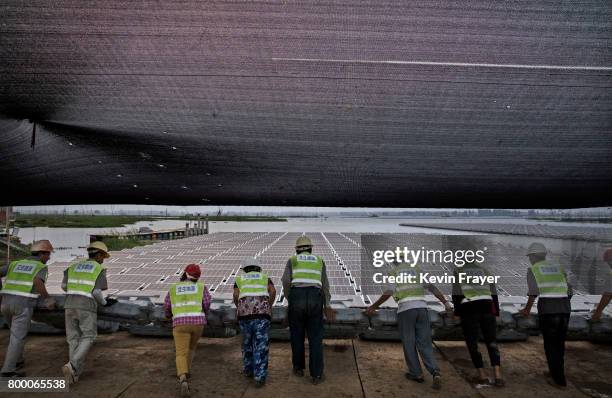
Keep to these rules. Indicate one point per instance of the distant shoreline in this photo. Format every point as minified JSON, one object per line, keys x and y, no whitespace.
{"x":115,"y":221}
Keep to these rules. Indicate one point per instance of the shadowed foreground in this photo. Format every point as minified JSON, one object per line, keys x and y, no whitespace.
{"x":121,"y":365}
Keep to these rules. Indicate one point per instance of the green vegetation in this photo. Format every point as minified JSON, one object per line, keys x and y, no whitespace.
{"x":106,"y":221}
{"x":116,"y":244}
{"x":75,"y":221}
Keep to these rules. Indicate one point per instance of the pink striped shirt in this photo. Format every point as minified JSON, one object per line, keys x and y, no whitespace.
{"x":188,"y":320}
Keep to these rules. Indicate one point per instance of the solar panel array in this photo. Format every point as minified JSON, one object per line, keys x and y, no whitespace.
{"x":149,"y":270}
{"x":598,"y":233}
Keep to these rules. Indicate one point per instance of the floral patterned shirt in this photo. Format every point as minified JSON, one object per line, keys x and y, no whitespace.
{"x":251,"y":307}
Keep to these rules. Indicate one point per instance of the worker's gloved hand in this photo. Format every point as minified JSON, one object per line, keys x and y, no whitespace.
{"x":110,"y":301}
{"x":370,"y":311}
{"x":448,"y":306}
{"x":50,"y":303}
{"x":524,"y":313}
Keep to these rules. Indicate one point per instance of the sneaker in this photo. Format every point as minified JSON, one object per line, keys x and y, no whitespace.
{"x":68,"y":372}
{"x":437,"y":382}
{"x":317,"y":380}
{"x":13,"y":374}
{"x":552,"y":383}
{"x":418,"y":379}
{"x":184,"y":386}
{"x":260,"y":383}
{"x":298,"y":372}
{"x":499,"y":383}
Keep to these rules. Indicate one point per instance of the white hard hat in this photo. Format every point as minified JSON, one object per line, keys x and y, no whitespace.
{"x":250,"y":262}
{"x":536,"y":248}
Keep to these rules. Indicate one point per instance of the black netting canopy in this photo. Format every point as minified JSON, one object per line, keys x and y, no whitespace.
{"x":333,"y":103}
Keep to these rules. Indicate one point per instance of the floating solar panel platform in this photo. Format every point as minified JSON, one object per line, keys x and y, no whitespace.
{"x":148,"y":271}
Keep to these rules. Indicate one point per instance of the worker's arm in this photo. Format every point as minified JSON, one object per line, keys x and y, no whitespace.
{"x":605,"y":300}
{"x":168,"y":306}
{"x":206,"y":300}
{"x":330,"y":313}
{"x":384,"y":297}
{"x":65,"y":280}
{"x":436,"y":292}
{"x":325,"y":287}
{"x":271,"y":292}
{"x":495,"y":298}
{"x":39,"y":285}
{"x":236,"y":295}
{"x":532,"y":292}
{"x":101,"y":284}
{"x":286,"y":279}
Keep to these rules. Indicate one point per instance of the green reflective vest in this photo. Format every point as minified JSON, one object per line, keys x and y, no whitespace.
{"x":20,"y":278}
{"x":186,"y":299}
{"x":408,"y":291}
{"x":252,"y":284}
{"x":82,"y":276}
{"x":306,"y":268}
{"x":474,"y":291}
{"x":550,"y":280}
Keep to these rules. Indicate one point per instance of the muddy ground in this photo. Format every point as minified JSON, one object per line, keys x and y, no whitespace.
{"x":121,"y":365}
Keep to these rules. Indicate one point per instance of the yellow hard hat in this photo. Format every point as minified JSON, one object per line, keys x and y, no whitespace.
{"x":536,"y":248}
{"x":99,"y":247}
{"x":42,"y":246}
{"x":303,"y":241}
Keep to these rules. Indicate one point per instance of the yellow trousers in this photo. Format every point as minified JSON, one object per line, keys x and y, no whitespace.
{"x":186,"y":340}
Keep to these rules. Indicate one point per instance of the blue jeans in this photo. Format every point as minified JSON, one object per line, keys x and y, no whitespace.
{"x":415,"y":332}
{"x":255,"y":346}
{"x":306,"y":319}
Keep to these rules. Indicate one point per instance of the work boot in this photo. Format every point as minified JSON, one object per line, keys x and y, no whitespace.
{"x":437,"y":382}
{"x":418,"y":379}
{"x":298,"y":372}
{"x":19,"y":365}
{"x":317,"y":380}
{"x":69,"y":374}
{"x":499,"y":382}
{"x":260,"y":383}
{"x":552,"y":383}
{"x":184,"y":386}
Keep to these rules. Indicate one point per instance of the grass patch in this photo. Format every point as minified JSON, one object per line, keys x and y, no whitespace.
{"x":75,"y":221}
{"x":116,"y":244}
{"x":106,"y":221}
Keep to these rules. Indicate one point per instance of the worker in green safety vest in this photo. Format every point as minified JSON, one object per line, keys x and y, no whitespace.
{"x":607,"y":293}
{"x":413,"y":319}
{"x":306,"y":288}
{"x":477,"y":306}
{"x":23,"y":286}
{"x":84,"y":280}
{"x":187,"y":302}
{"x":549,"y":281}
{"x":254,"y":295}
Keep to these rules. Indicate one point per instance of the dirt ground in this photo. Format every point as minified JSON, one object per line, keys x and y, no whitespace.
{"x":121,"y":365}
